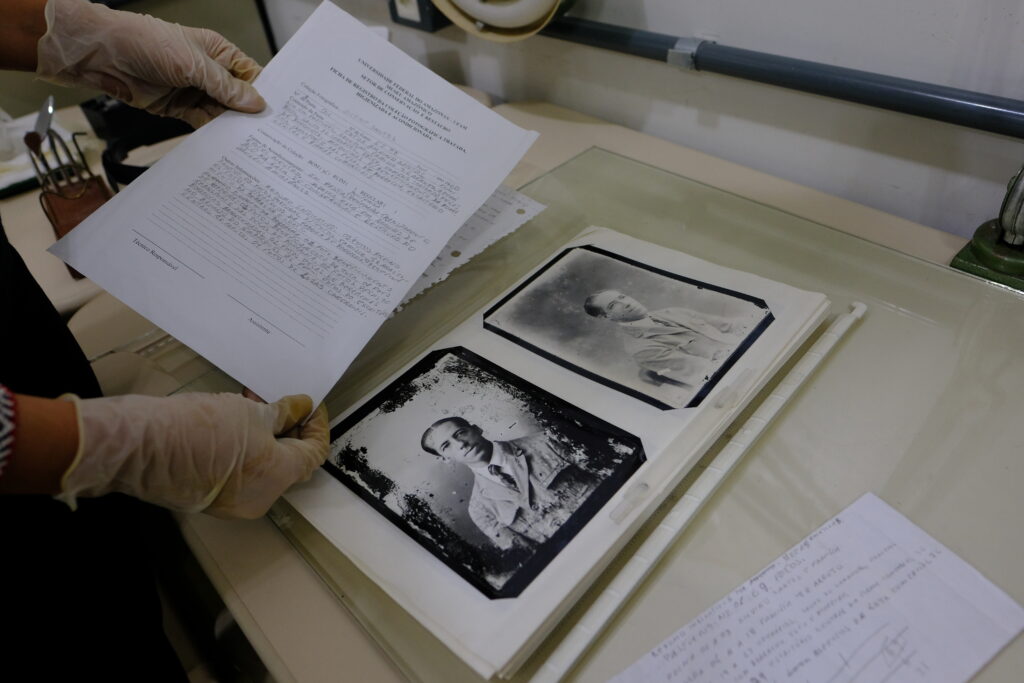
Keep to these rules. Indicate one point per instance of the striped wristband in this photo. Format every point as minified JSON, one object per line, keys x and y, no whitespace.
{"x":7,"y":413}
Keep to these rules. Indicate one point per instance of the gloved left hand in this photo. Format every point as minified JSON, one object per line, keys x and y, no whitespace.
{"x":170,"y":70}
{"x":222,"y":454}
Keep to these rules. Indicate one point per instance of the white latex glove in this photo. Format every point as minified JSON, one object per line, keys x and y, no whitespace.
{"x":219,"y":453}
{"x":167,"y":69}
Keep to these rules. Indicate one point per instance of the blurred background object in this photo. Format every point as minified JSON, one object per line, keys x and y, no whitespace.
{"x":9,"y":146}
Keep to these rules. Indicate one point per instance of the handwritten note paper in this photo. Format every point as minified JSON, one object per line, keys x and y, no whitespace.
{"x":866,"y":597}
{"x":275,"y":244}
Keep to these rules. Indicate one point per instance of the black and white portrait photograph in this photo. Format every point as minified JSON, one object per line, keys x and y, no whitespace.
{"x":489,"y":473}
{"x":657,"y":336}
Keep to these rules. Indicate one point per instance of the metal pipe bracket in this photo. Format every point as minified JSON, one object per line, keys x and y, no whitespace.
{"x":682,"y":53}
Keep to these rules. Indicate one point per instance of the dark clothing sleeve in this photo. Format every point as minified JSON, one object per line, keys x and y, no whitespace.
{"x":39,"y":357}
{"x":79,"y":598}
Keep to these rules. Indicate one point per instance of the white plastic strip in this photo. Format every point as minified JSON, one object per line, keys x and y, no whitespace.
{"x":578,"y":640}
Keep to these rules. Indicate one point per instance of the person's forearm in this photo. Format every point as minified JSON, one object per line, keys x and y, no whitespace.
{"x":45,"y":443}
{"x":22,"y":26}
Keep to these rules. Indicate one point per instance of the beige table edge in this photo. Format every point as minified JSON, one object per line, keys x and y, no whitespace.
{"x":292,"y":619}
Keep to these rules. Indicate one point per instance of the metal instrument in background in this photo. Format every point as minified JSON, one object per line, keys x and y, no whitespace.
{"x":59,"y":169}
{"x":69,"y":190}
{"x":996,"y":252}
{"x":35,"y":137}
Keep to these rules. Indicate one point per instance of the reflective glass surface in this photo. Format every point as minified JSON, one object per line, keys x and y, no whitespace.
{"x":919,"y":404}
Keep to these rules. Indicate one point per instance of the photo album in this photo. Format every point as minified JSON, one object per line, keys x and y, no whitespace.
{"x":486,"y":484}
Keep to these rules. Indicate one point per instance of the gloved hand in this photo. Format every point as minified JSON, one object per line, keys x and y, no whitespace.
{"x":219,"y":453}
{"x":189,"y":73}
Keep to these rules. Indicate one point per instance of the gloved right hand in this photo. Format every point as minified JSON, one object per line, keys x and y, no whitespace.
{"x":189,"y":73}
{"x":219,"y":453}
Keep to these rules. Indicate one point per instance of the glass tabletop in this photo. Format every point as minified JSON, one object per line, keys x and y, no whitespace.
{"x":917,"y":404}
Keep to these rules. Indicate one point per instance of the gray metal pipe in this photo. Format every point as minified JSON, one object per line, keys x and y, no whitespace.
{"x":963,"y":107}
{"x":632,"y":41}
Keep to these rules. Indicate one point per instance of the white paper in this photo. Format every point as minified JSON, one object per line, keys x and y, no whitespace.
{"x":275,"y":244}
{"x":504,"y":212}
{"x":866,"y":597}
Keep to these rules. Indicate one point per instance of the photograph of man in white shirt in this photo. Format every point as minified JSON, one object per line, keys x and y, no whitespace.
{"x":524,"y":489}
{"x":669,"y":344}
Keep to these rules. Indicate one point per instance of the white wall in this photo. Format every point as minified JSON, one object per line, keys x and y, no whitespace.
{"x":945,"y":176}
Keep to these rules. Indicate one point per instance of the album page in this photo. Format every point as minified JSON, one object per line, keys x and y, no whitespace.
{"x":487,"y":483}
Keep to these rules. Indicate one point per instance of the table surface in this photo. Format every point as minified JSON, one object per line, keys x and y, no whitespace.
{"x":910,"y":406}
{"x":907,"y":406}
{"x":917,"y":405}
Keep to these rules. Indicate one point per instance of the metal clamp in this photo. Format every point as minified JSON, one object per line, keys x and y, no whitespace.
{"x":682,"y":53}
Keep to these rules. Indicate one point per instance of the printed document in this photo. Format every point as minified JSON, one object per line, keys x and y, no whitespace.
{"x":276,"y":244}
{"x":866,"y":597}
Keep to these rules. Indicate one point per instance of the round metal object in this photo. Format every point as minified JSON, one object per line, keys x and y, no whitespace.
{"x":497,"y":19}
